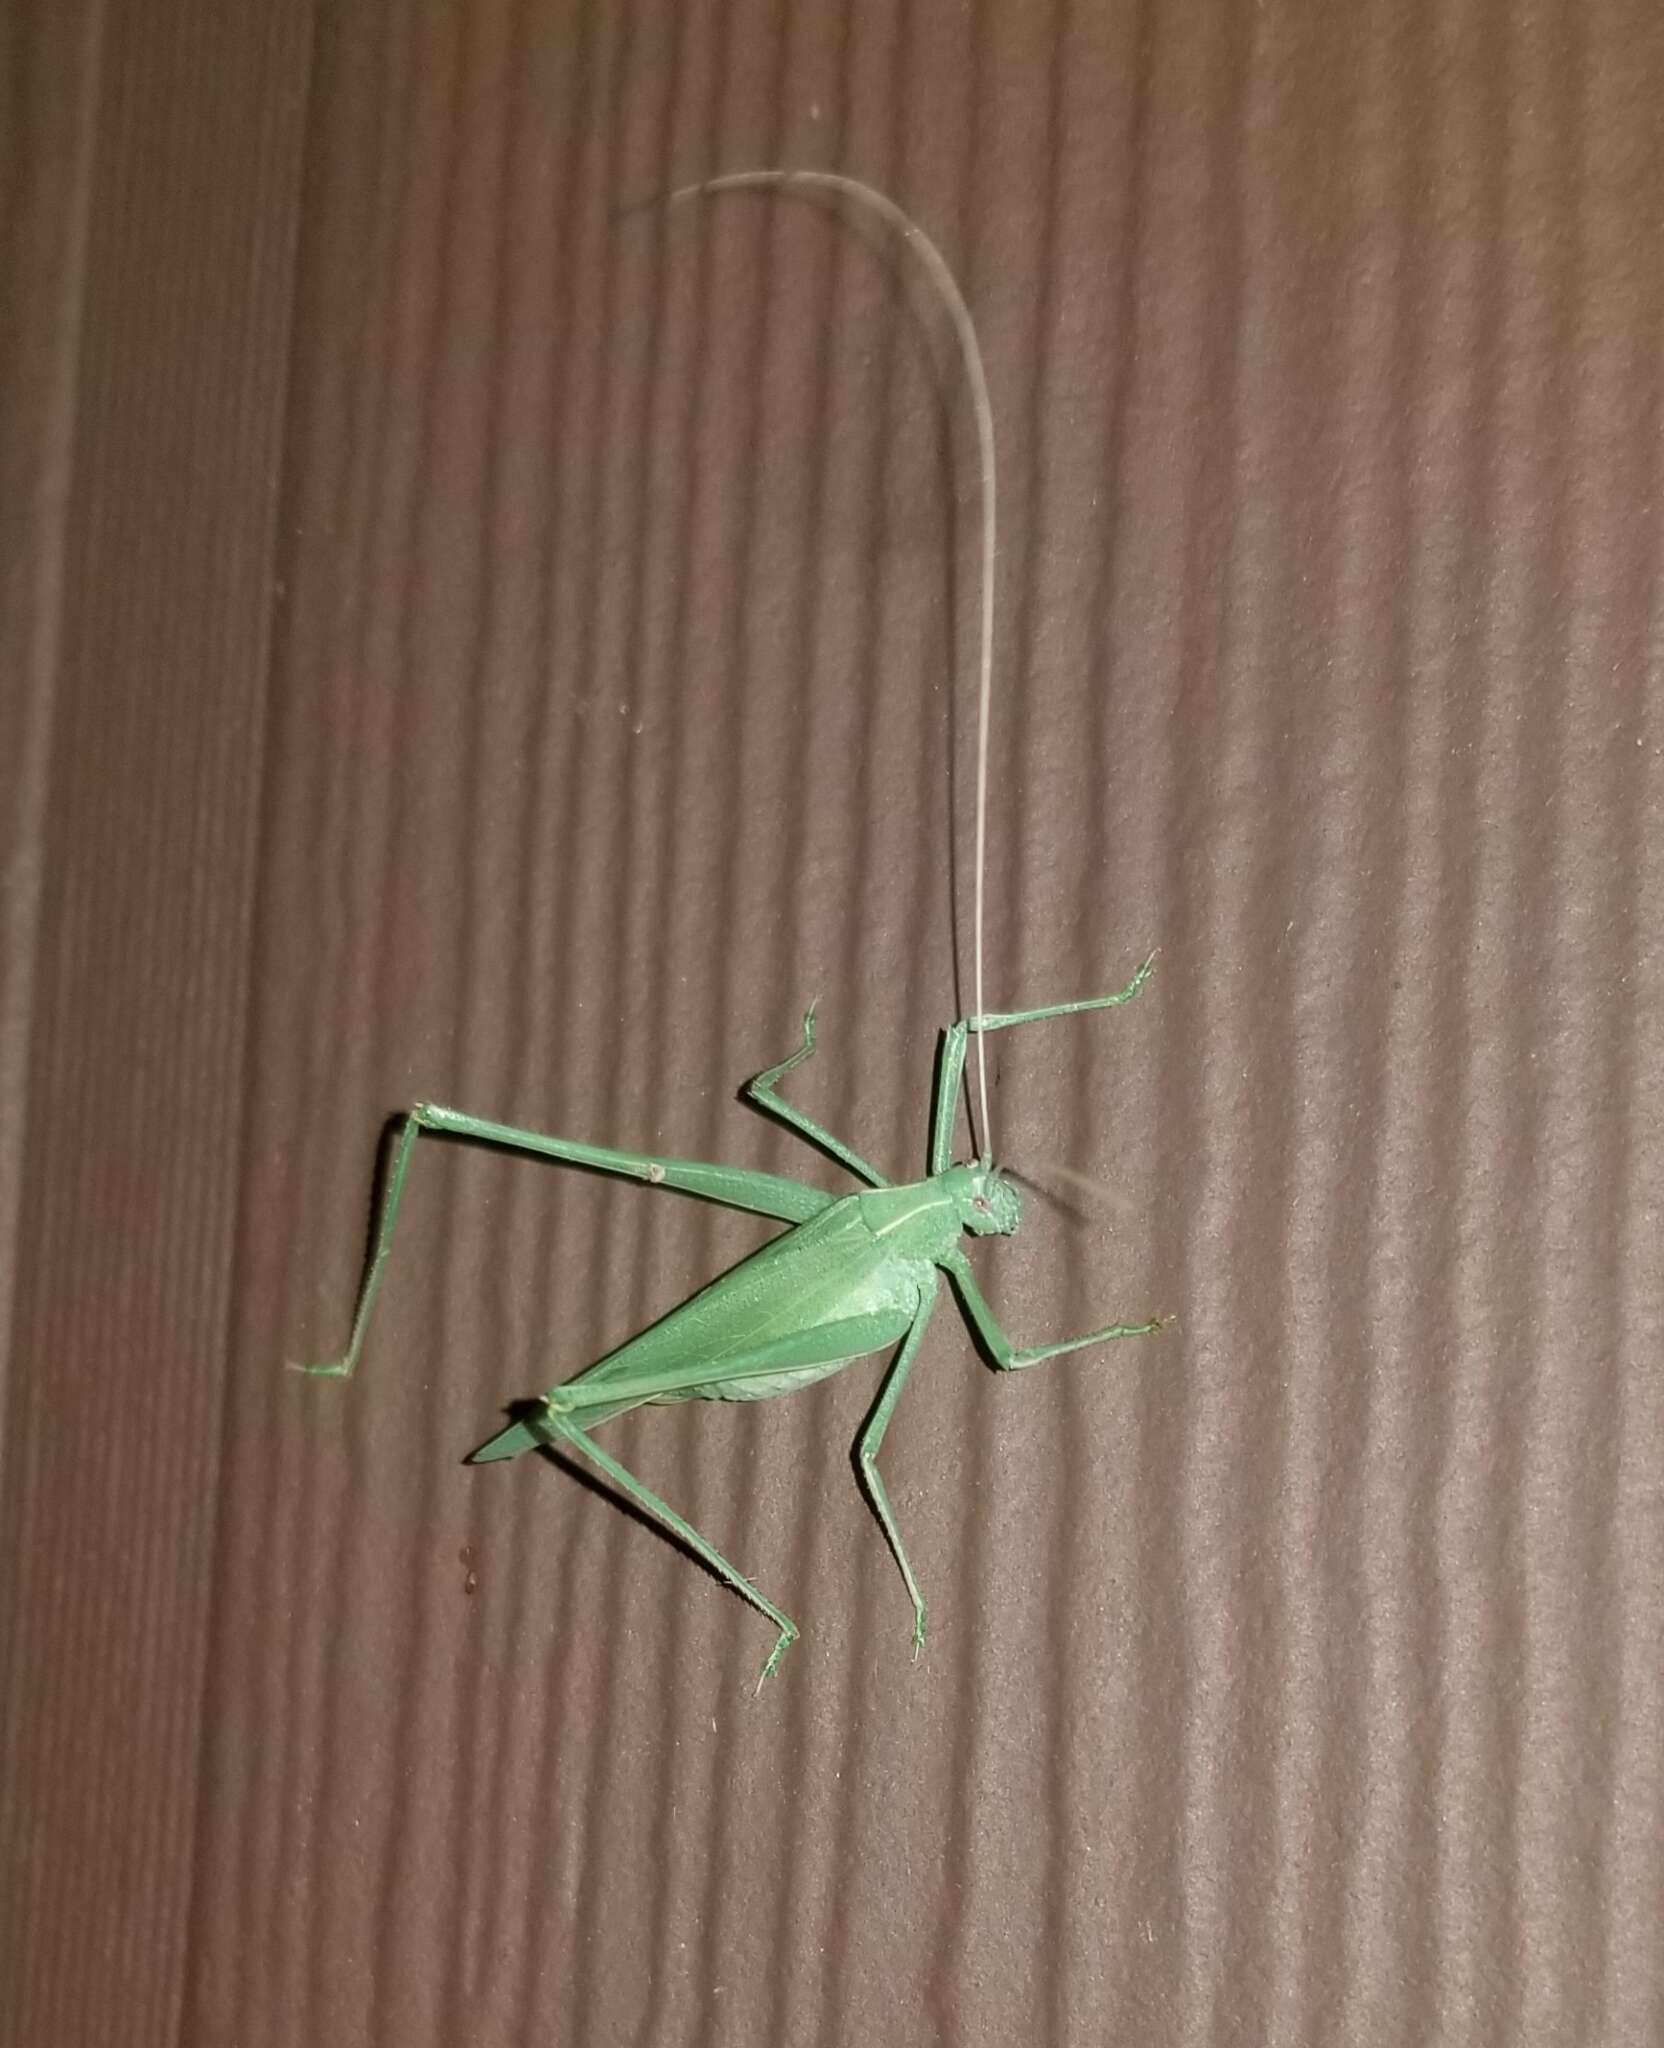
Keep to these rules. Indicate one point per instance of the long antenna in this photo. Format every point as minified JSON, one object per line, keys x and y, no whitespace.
{"x":971,"y":354}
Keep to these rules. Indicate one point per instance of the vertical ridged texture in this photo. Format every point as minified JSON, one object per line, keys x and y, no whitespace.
{"x":150,"y":235}
{"x":503,"y":642}
{"x":48,"y":103}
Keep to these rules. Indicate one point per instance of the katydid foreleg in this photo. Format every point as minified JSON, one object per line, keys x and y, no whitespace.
{"x":764,"y":1194}
{"x":952,"y":1067}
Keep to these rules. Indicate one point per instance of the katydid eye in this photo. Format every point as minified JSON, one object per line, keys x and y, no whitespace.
{"x":979,"y":1202}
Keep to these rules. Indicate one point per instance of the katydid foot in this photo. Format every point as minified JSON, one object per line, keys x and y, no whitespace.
{"x":788,"y":1636}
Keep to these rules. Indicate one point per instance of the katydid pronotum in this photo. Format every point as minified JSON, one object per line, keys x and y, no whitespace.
{"x":852,"y":1274}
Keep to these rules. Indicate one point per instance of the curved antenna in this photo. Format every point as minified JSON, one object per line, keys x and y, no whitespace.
{"x":971,"y":355}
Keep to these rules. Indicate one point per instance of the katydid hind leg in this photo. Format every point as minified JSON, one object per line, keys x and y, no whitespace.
{"x":871,"y":1442}
{"x":380,"y":1248}
{"x":561,"y":1427}
{"x":763,"y":1194}
{"x":735,"y":1187}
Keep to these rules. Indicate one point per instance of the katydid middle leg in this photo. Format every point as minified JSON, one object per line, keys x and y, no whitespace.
{"x":760,"y":1090}
{"x":871,"y":1442}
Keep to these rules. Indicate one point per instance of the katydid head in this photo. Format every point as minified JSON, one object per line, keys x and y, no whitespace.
{"x":988,"y":1204}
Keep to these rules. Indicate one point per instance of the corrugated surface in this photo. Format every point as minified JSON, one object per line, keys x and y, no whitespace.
{"x":489,"y":639}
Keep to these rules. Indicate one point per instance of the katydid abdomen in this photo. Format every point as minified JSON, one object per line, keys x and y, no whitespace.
{"x":797,"y":1310}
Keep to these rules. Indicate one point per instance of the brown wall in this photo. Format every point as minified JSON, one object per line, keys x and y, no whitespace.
{"x":467,"y":632}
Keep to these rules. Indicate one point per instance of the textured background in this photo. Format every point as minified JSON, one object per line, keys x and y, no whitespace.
{"x":469,"y":633}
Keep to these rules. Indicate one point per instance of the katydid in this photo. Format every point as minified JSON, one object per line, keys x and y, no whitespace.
{"x":853,"y":1275}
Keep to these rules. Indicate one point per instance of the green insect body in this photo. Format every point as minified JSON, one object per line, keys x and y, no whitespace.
{"x":852,"y":1275}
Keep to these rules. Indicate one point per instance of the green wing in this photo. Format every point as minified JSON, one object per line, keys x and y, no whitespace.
{"x":830,"y":1269}
{"x":809,"y":1301}
{"x":778,"y":1368}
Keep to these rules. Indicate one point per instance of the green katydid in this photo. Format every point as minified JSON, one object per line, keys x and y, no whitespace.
{"x":853,"y":1274}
